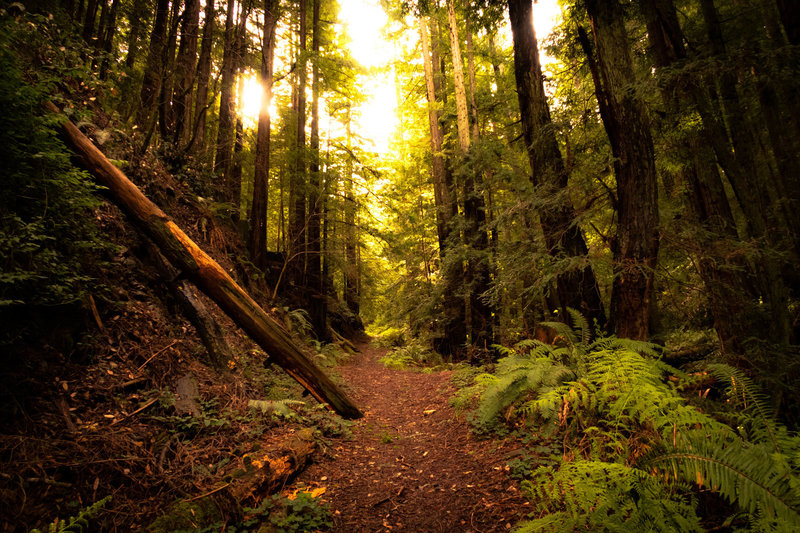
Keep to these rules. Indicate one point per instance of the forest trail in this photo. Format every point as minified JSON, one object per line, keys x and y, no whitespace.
{"x":412,"y":463}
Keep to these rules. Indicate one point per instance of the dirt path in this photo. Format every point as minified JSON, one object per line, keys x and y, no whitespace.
{"x":411,"y":464}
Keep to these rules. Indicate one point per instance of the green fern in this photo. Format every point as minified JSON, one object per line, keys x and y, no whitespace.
{"x":745,"y":474}
{"x":277,"y":408}
{"x":77,"y":523}
{"x":613,"y":398}
{"x":750,"y":406}
{"x":601,"y":496}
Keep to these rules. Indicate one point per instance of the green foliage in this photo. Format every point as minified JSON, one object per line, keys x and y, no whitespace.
{"x":319,"y":417}
{"x":600,"y":496}
{"x":413,"y":355}
{"x":49,"y":244}
{"x":633,"y":443}
{"x":211,"y":419}
{"x":298,"y":514}
{"x":77,"y":523}
{"x":276,"y":408}
{"x":391,"y":338}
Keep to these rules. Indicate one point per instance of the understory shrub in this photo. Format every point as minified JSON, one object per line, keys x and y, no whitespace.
{"x":413,"y":355}
{"x":634,"y":449}
{"x":50,"y":246}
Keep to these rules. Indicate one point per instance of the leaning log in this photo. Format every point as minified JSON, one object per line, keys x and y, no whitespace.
{"x":207,"y":275}
{"x":209,"y":331}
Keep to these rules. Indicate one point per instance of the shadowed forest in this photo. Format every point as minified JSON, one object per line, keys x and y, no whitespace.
{"x":399,"y":265}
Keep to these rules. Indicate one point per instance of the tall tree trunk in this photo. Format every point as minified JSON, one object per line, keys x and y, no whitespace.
{"x":462,"y":115}
{"x":478,"y":265}
{"x":453,"y":334}
{"x":101,"y":29}
{"x":635,"y":247}
{"x":203,"y":75}
{"x":441,"y":193}
{"x":317,"y":303}
{"x":351,"y":270}
{"x":137,"y":20}
{"x":298,"y":189}
{"x":258,"y":212}
{"x":185,"y":72}
{"x":108,"y":38}
{"x":790,"y":19}
{"x":89,"y":20}
{"x":165,"y":110}
{"x":747,"y":177}
{"x":725,"y":279}
{"x":153,"y":72}
{"x":227,"y":113}
{"x":577,"y":288}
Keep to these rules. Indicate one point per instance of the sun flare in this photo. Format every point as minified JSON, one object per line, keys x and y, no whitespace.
{"x":252,"y":92}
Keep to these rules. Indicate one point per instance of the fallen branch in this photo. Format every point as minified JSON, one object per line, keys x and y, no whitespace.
{"x":206,"y":274}
{"x":162,"y":350}
{"x":139,"y":410}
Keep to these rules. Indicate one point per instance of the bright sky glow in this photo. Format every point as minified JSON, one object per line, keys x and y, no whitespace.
{"x":251,"y":100}
{"x":364,"y":20}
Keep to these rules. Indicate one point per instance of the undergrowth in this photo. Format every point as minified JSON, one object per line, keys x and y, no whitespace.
{"x":413,"y":356}
{"x":634,"y":452}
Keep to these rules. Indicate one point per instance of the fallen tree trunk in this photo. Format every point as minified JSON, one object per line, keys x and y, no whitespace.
{"x":259,"y":476}
{"x":207,"y":275}
{"x":209,"y":331}
{"x":275,"y":468}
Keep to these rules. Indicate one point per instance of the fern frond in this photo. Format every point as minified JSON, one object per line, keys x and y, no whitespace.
{"x":745,"y":474}
{"x":601,"y":496}
{"x":580,"y":325}
{"x":616,"y":343}
{"x":79,"y":522}
{"x":504,"y":351}
{"x":746,"y":396}
{"x":564,"y":331}
{"x":281,"y":408}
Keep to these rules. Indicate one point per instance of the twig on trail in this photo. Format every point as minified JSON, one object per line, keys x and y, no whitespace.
{"x":46,"y":481}
{"x":225,"y":486}
{"x":139,"y":410}
{"x":170,"y":345}
{"x":379,"y":502}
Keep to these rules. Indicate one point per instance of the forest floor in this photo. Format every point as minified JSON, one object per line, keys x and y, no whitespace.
{"x":411,"y":464}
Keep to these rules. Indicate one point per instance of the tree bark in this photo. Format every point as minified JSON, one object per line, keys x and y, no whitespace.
{"x":208,"y":329}
{"x":151,"y":84}
{"x":625,"y":118}
{"x":209,"y":277}
{"x":442,"y":196}
{"x":316,"y":302}
{"x":258,"y":212}
{"x":577,"y":288}
{"x":478,"y":264}
{"x":165,"y":110}
{"x":203,"y":76}
{"x":297,"y":191}
{"x":227,"y":113}
{"x":136,"y":20}
{"x":451,"y":331}
{"x":351,"y":271}
{"x":185,"y":72}
{"x":107,"y":37}
{"x":725,"y":280}
{"x":462,"y":116}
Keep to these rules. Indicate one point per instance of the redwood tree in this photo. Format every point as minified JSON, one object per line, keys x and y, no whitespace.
{"x":576,"y":288}
{"x":626,"y":121}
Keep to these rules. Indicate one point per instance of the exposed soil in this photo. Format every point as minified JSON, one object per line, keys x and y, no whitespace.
{"x":411,"y":463}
